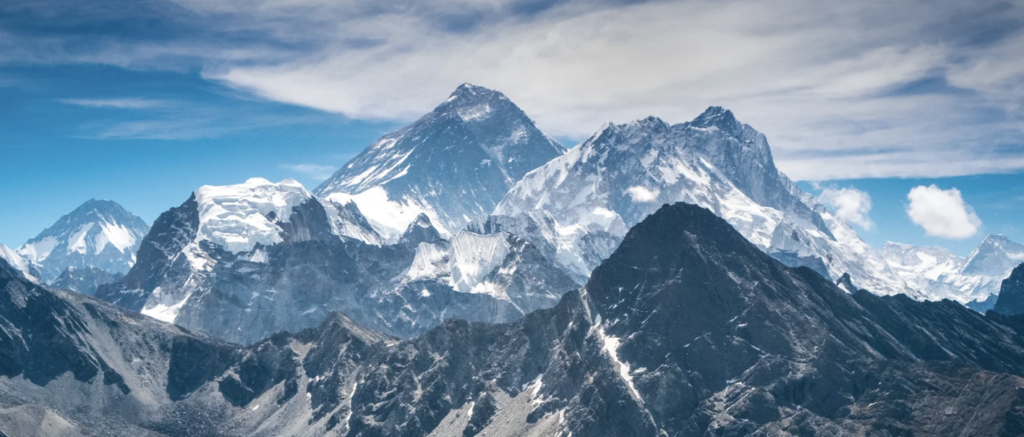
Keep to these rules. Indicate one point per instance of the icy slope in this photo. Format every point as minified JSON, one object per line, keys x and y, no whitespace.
{"x":453,"y":164}
{"x":16,"y":261}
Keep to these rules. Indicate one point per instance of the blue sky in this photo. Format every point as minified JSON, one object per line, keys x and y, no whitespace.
{"x":143,"y":101}
{"x":64,"y":139}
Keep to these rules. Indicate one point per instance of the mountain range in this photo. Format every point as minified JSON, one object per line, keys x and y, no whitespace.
{"x":242,"y":262}
{"x":467,"y":275}
{"x":510,"y":222}
{"x":973,"y":281}
{"x":621,"y":174}
{"x":686,"y":329}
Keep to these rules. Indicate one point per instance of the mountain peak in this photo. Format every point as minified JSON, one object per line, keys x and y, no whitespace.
{"x":473,"y":103}
{"x":237,"y":217}
{"x":717,"y":116}
{"x":97,"y":233}
{"x":454,"y":164}
{"x":651,"y":122}
{"x":96,"y":206}
{"x":995,"y":239}
{"x":468,"y":90}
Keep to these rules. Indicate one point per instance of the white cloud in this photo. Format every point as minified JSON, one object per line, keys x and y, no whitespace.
{"x":641,"y":194}
{"x":847,"y":90}
{"x":315,"y":171}
{"x":942,"y":213}
{"x":849,"y":204}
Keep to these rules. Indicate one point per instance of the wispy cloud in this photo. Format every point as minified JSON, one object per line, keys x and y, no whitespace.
{"x":120,"y":103}
{"x":314,"y":171}
{"x":854,"y":89}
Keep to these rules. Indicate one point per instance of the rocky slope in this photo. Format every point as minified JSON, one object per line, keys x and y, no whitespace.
{"x":242,"y":262}
{"x":582,"y":203}
{"x":1011,"y":294}
{"x":453,"y":164}
{"x":99,"y":233}
{"x":687,"y":329}
{"x":84,"y":280}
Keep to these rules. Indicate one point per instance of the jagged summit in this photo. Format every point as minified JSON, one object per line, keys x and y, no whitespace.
{"x":719,"y":117}
{"x":453,"y":164}
{"x":468,"y":91}
{"x":624,"y":172}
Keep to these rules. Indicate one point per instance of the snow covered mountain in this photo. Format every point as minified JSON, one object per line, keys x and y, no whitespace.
{"x":18,"y":262}
{"x":580,"y":204}
{"x":242,"y":262}
{"x":687,"y":329}
{"x":939,"y":274}
{"x":99,"y":233}
{"x":453,"y":164}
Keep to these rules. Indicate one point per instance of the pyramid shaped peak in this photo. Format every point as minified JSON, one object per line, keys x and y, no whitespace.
{"x":717,"y":116}
{"x":468,"y":91}
{"x":996,"y":238}
{"x":102,"y":204}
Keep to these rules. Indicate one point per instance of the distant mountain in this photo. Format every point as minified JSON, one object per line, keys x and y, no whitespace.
{"x":84,"y":280}
{"x":939,"y":274}
{"x":453,"y":164}
{"x":242,"y":262}
{"x":686,"y":329}
{"x":581,"y":204}
{"x":99,"y":233}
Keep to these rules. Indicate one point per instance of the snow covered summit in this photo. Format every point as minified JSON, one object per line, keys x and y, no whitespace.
{"x":454,"y":164}
{"x":238,"y":217}
{"x":580,"y":204}
{"x":99,"y":233}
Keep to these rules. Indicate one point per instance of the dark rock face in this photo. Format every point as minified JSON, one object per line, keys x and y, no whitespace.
{"x":41,"y":334}
{"x":85,"y":280}
{"x":687,"y":329}
{"x":846,"y":283}
{"x":420,"y":231}
{"x":170,"y":233}
{"x":1011,"y":295}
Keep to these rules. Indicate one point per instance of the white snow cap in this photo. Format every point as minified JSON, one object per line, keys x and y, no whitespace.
{"x":235,"y":216}
{"x":15,"y":260}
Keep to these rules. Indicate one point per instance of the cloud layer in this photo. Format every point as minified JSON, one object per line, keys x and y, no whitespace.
{"x":850,"y":204}
{"x":942,"y":213}
{"x":855,"y":89}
